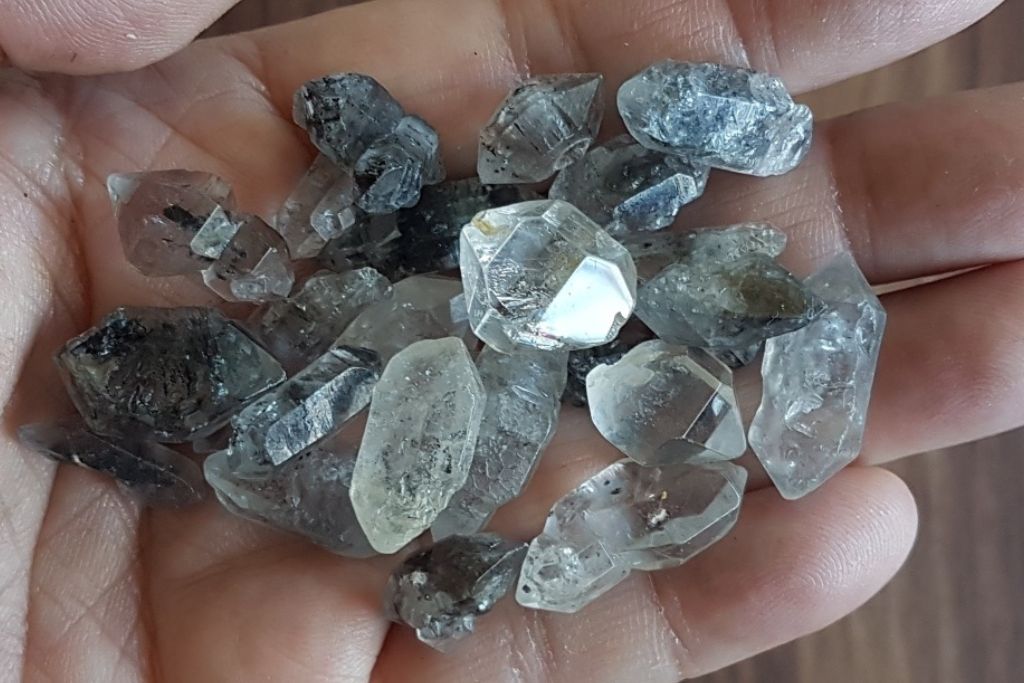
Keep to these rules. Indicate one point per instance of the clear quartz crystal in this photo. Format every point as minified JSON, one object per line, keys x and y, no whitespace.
{"x":170,"y":374}
{"x":154,"y":473}
{"x":817,"y":384}
{"x":523,"y":390}
{"x":663,"y":405}
{"x":254,"y":266}
{"x":301,"y":328}
{"x":723,"y":116}
{"x":543,"y":275}
{"x":627,"y":517}
{"x":418,"y":445}
{"x":395,"y":168}
{"x":582,"y":362}
{"x":442,"y":591}
{"x":322,"y":183}
{"x":653,"y":253}
{"x":544,"y":125}
{"x":628,"y":188}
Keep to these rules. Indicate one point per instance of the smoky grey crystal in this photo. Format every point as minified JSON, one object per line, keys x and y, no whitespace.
{"x":653,"y":253}
{"x":442,"y":591}
{"x":393,"y":171}
{"x":722,"y":116}
{"x":171,"y":374}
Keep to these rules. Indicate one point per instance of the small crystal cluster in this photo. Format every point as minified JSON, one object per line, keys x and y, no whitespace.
{"x":360,"y":411}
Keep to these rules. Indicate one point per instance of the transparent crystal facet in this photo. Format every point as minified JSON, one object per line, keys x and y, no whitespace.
{"x":722,"y":116}
{"x":519,"y":422}
{"x":543,"y":275}
{"x":627,"y":517}
{"x":817,"y":384}
{"x":583,"y":361}
{"x":254,"y":266}
{"x":323,"y":183}
{"x":628,"y":188}
{"x":544,"y":125}
{"x":664,"y":405}
{"x":395,"y":168}
{"x":418,"y":445}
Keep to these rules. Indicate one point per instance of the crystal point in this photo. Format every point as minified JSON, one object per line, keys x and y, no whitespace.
{"x":654,"y":253}
{"x":253,"y":266}
{"x":395,"y":168}
{"x":302,"y":220}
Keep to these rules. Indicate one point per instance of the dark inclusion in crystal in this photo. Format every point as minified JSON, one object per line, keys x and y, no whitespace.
{"x":171,"y":374}
{"x":155,"y":473}
{"x":582,"y":362}
{"x":393,"y":171}
{"x":441,"y":592}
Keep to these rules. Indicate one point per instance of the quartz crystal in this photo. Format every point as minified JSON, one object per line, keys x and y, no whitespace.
{"x":310,"y":407}
{"x":441,"y":591}
{"x":321,"y":191}
{"x":419,"y":308}
{"x":544,"y":125}
{"x":418,"y":445}
{"x":368,"y":242}
{"x":300,"y":329}
{"x":624,"y":518}
{"x":254,"y":266}
{"x":520,"y":418}
{"x":654,"y":253}
{"x":817,"y":384}
{"x":171,"y":374}
{"x":725,"y":305}
{"x":393,"y":171}
{"x":583,"y":361}
{"x":308,"y":495}
{"x":664,"y":404}
{"x":543,"y":275}
{"x":628,"y":188}
{"x":722,"y":116}
{"x":344,"y":114}
{"x":154,"y":473}
{"x":172,"y":222}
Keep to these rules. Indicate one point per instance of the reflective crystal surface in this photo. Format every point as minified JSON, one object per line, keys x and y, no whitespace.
{"x":441,"y":591}
{"x":725,"y":305}
{"x":308,"y":495}
{"x":324,"y":183}
{"x":418,"y":445}
{"x":154,"y":473}
{"x":419,"y":308}
{"x":368,"y":242}
{"x":627,"y":517}
{"x":254,"y":266}
{"x":663,"y":404}
{"x":544,"y":125}
{"x":396,"y":167}
{"x":310,"y":407}
{"x":301,"y":328}
{"x":336,"y":214}
{"x":172,"y":222}
{"x":543,"y":275}
{"x":722,"y":116}
{"x":172,"y":374}
{"x":817,"y":384}
{"x":520,"y":418}
{"x":344,"y":114}
{"x":628,"y":188}
{"x":654,"y":253}
{"x":583,"y":361}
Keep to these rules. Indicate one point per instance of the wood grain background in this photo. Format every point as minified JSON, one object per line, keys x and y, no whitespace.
{"x":955,"y":614}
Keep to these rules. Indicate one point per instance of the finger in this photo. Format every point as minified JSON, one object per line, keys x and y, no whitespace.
{"x":93,"y":36}
{"x":952,"y":365}
{"x":788,"y":569}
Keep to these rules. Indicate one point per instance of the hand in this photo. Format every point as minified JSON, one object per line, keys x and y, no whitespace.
{"x":93,"y":589}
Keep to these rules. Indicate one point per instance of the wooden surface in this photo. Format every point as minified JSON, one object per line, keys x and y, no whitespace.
{"x":955,"y":614}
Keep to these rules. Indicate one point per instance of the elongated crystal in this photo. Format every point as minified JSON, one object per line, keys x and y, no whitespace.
{"x":254,"y":266}
{"x":817,"y":384}
{"x":418,"y":445}
{"x":323,"y":183}
{"x":393,"y":171}
{"x":653,"y":253}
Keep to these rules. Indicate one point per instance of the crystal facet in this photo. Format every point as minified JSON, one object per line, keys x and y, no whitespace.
{"x":628,"y":188}
{"x":254,"y":266}
{"x":418,"y":445}
{"x":583,"y":361}
{"x":523,"y":390}
{"x":441,"y":591}
{"x":543,"y":275}
{"x":300,"y":329}
{"x":725,"y":304}
{"x":544,"y":125}
{"x":664,"y":404}
{"x":323,"y":183}
{"x":172,"y":374}
{"x":155,"y":473}
{"x":344,"y":114}
{"x":817,"y":384}
{"x":395,"y":168}
{"x":624,"y":518}
{"x":722,"y":116}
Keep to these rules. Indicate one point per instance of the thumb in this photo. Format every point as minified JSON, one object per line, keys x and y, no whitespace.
{"x":96,"y":36}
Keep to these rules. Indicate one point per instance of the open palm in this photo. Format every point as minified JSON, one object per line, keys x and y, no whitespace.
{"x":93,"y":589}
